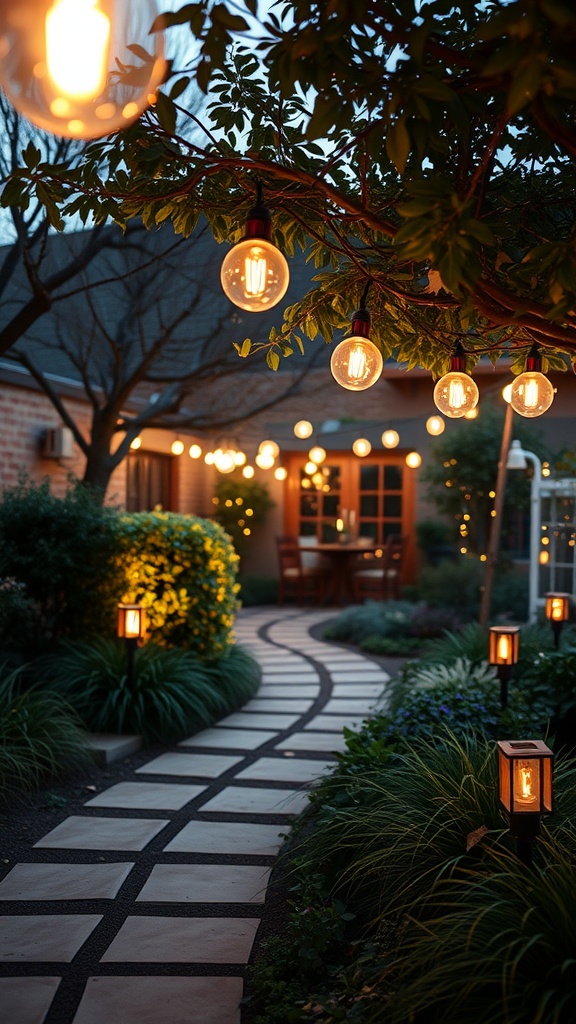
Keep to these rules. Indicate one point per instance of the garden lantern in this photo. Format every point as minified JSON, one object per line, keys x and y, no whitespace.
{"x":557,"y":612}
{"x":131,"y":630}
{"x":525,"y":770}
{"x":503,"y":653}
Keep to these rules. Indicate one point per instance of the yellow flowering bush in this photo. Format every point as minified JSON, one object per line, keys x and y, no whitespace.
{"x":182,"y":569}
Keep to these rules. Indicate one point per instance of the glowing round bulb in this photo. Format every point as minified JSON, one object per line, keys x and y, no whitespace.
{"x":303,"y":429}
{"x":254,"y":275}
{"x":472,"y":414}
{"x":136,"y":443}
{"x":361,"y":447}
{"x":239,"y":458}
{"x":435,"y":425}
{"x":356,"y":363}
{"x":61,"y":60}
{"x":248,"y":472}
{"x":310,"y":468}
{"x":413,"y":460}
{"x":531,"y":394}
{"x":317,"y":454}
{"x":318,"y":480}
{"x":281,"y":473}
{"x":264,"y":460}
{"x":177,"y":447}
{"x":455,"y":394}
{"x":224,"y":460}
{"x":390,"y":438}
{"x":269,"y":448}
{"x":209,"y":458}
{"x":507,"y":393}
{"x":194,"y":451}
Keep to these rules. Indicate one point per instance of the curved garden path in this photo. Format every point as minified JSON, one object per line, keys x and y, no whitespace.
{"x":143,"y":908}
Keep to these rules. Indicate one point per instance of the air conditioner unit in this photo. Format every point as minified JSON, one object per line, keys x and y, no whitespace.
{"x":58,"y":443}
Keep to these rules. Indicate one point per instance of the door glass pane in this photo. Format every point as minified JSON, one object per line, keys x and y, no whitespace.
{"x":393,"y":506}
{"x":369,"y":477}
{"x":369,"y":505}
{"x":392,"y":478}
{"x":331,"y":504}
{"x":309,"y":504}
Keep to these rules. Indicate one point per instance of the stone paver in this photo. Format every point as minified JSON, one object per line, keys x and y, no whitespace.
{"x":160,"y":1000}
{"x":223,"y":806}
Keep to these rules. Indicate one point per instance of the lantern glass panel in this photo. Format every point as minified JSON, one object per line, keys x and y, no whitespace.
{"x":504,"y":645}
{"x":557,"y":607}
{"x":525,"y":776}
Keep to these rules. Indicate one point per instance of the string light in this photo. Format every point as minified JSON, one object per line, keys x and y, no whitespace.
{"x":456,"y":393}
{"x":356,"y":363}
{"x":194,"y":451}
{"x":73,"y":67}
{"x":390,"y":438}
{"x":177,"y":447}
{"x":303,"y":429}
{"x":361,"y":447}
{"x":317,"y":454}
{"x":435,"y":425}
{"x":531,"y":393}
{"x":413,"y":460}
{"x":255,"y":274}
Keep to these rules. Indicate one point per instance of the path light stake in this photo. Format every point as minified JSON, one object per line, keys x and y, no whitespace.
{"x":557,"y":613}
{"x":131,"y":630}
{"x":504,"y":643}
{"x":525,"y":775}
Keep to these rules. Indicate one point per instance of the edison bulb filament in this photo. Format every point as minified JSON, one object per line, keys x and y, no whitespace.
{"x":77,"y":38}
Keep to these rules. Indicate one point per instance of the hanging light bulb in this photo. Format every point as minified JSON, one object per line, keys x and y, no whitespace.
{"x":224,"y":460}
{"x":310,"y":468}
{"x":413,"y":460}
{"x":61,"y":63}
{"x":264,"y":460}
{"x":356,"y":363}
{"x":507,"y":393}
{"x":390,"y":438}
{"x":269,"y":449}
{"x":456,"y":393}
{"x":303,"y":429}
{"x":136,"y":443}
{"x":281,"y":473}
{"x":361,"y":447}
{"x":240,"y":458}
{"x":532,"y":393}
{"x":317,"y":454}
{"x":177,"y":447}
{"x":435,"y":425}
{"x":194,"y":451}
{"x":254,"y":273}
{"x":248,"y":472}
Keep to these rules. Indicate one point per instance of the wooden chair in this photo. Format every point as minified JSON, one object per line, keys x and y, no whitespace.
{"x":302,"y":580}
{"x":379,"y":578}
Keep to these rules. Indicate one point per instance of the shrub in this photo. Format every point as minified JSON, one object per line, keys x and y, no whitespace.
{"x":20,"y":623}
{"x":183,"y":571}
{"x":235,"y":495}
{"x":393,"y":647}
{"x":63,"y":550}
{"x":457,"y":586}
{"x":41,"y":739}
{"x":174,"y":692}
{"x":385,"y":618}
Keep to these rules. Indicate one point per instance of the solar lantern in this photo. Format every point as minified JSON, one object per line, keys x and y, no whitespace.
{"x":557,"y":612}
{"x":525,"y":780}
{"x":503,"y":653}
{"x":131,"y":630}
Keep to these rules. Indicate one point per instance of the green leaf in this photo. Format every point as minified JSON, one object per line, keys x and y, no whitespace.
{"x":31,"y":156}
{"x":179,"y":86}
{"x":245,"y":348}
{"x":273,"y":359}
{"x":166,"y":112}
{"x":398,"y":145}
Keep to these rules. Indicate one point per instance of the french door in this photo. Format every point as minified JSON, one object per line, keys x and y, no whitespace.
{"x":372,"y":497}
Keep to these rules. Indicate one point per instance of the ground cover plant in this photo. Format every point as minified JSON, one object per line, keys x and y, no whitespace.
{"x":402,"y":876}
{"x":174,"y":692}
{"x":41,"y":738}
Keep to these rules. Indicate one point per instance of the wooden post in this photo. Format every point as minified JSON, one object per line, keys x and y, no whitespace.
{"x":496,"y":526}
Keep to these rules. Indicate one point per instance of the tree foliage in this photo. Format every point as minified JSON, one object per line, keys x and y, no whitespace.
{"x":424,"y":147}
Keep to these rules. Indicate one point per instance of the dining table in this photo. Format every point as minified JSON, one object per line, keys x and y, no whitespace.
{"x":342,"y":555}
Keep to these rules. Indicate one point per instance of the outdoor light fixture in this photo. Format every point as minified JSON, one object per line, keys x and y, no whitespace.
{"x":413,"y":460}
{"x":356,"y":363}
{"x":317,"y":454}
{"x":254,"y":273}
{"x":503,"y":653}
{"x":269,"y":449}
{"x":240,"y":458}
{"x":265,"y":460}
{"x":177,"y":447}
{"x":435,"y":425}
{"x":131,"y":630}
{"x":557,"y":613}
{"x":281,"y":473}
{"x":136,"y":444}
{"x":390,"y":438}
{"x":248,"y":472}
{"x":456,"y":393}
{"x":303,"y":429}
{"x":224,"y":460}
{"x":525,"y":775}
{"x":194,"y":451}
{"x":80,"y":68}
{"x":531,"y":393}
{"x":361,"y":447}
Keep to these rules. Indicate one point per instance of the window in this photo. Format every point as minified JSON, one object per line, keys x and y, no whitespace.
{"x":149,"y":481}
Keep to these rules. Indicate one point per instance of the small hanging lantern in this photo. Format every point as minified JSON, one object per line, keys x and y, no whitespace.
{"x":503,"y":653}
{"x":525,"y":778}
{"x":557,"y":613}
